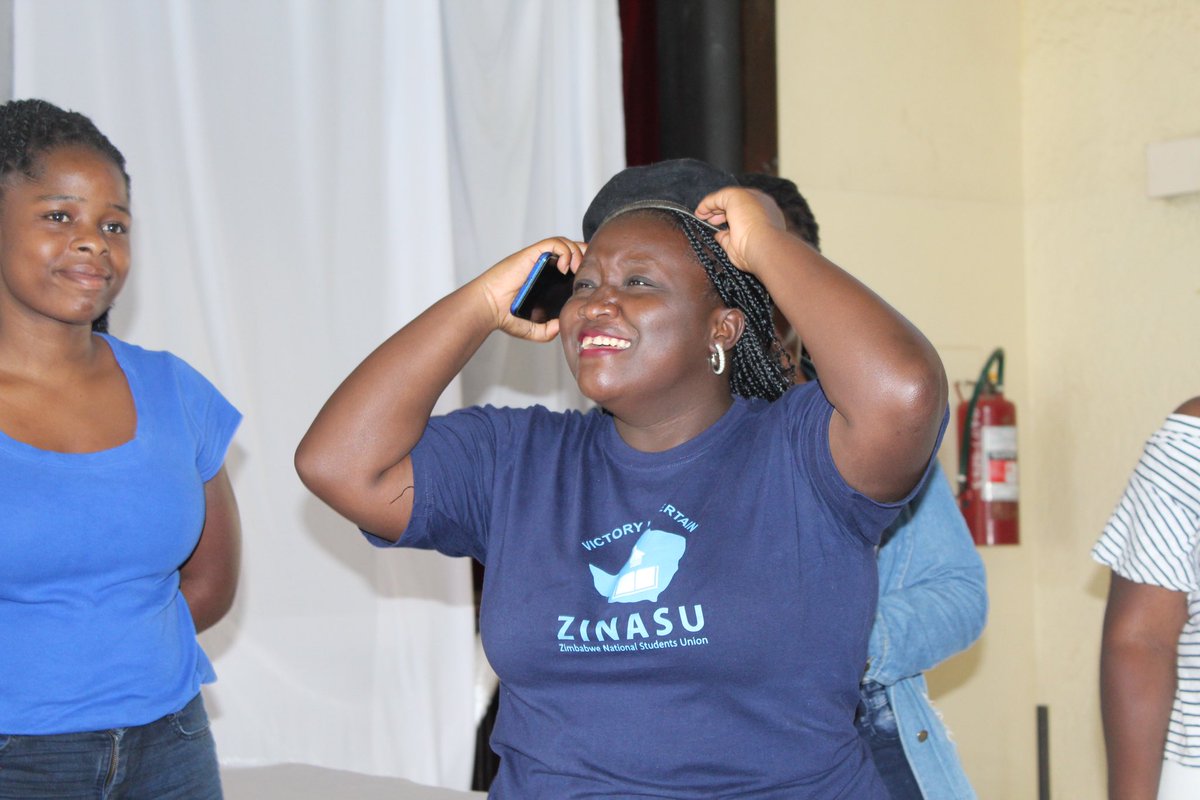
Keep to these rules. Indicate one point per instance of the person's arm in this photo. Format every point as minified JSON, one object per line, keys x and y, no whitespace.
{"x":1148,"y":544}
{"x":941,"y":608}
{"x":1142,"y":624}
{"x":882,"y":376}
{"x":208,"y":579}
{"x":355,"y":456}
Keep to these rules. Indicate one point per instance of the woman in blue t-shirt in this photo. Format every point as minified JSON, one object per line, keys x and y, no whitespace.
{"x":679,"y":586}
{"x":119,"y":533}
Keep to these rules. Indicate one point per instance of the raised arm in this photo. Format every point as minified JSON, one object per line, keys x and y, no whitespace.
{"x":355,"y":455}
{"x":882,"y":376}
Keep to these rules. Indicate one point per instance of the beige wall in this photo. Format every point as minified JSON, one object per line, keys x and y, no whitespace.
{"x":982,"y":166}
{"x":1113,"y":305}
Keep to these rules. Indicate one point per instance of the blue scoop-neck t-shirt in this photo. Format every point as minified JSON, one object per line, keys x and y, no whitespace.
{"x":94,"y":632}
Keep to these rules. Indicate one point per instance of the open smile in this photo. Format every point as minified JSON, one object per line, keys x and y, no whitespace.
{"x":602,"y":343}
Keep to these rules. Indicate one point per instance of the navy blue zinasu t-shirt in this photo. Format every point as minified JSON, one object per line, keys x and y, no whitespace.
{"x":690,"y":623}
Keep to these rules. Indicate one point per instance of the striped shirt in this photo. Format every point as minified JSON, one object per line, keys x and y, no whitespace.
{"x":1153,"y":537}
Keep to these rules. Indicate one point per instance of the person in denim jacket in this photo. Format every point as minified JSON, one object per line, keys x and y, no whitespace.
{"x":932,"y":604}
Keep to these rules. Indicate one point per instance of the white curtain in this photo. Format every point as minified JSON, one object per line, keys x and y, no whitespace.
{"x":307,"y":176}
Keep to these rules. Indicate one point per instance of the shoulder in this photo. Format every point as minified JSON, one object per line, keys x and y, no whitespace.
{"x":1179,"y":432}
{"x":1190,"y":408}
{"x":802,"y":394}
{"x":163,"y":377}
{"x":802,"y":416}
{"x":799,"y":402}
{"x":137,"y":355}
{"x":128,"y":352}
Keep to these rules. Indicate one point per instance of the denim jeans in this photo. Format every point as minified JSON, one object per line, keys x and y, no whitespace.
{"x":877,"y":727}
{"x":173,"y":758}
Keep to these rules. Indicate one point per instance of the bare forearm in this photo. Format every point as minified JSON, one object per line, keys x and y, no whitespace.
{"x":208,"y":604}
{"x":1137,"y":686}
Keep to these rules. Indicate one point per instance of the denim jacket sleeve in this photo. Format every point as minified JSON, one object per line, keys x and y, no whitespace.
{"x":932,"y":588}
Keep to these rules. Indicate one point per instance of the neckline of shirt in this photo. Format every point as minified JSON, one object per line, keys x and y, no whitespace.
{"x":112,"y":454}
{"x":626,"y":456}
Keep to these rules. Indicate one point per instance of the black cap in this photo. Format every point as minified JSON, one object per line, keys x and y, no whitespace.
{"x":676,"y":185}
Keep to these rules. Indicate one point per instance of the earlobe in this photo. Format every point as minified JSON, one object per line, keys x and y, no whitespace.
{"x":730,"y":324}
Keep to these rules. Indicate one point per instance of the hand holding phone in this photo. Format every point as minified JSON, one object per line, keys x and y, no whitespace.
{"x":544,"y":292}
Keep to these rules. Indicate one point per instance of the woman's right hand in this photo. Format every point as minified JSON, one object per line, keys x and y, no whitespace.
{"x":356,"y":455}
{"x":747,"y":214}
{"x":502,"y":281}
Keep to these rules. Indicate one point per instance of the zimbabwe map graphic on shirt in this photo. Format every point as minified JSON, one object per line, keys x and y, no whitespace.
{"x":649,"y":570}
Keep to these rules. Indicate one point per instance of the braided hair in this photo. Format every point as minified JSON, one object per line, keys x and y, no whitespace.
{"x":800,"y":221}
{"x":760,"y":365}
{"x":30,"y":128}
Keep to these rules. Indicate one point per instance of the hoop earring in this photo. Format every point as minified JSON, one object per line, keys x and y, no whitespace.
{"x":716,"y":359}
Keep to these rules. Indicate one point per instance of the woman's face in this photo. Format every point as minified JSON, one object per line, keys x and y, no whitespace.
{"x":64,"y":237}
{"x":637,"y":328}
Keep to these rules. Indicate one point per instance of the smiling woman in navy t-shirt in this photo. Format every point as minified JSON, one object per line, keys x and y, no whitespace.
{"x":680,"y":584}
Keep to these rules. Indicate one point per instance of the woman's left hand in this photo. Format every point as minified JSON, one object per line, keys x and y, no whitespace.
{"x":749,"y":214}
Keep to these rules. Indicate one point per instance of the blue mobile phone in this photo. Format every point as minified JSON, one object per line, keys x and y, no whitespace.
{"x":544,"y":292}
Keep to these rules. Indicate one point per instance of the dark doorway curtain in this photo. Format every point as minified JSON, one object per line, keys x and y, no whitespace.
{"x":699,"y":82}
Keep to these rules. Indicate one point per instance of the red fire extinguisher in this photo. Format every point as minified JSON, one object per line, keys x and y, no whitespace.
{"x":987,"y":458}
